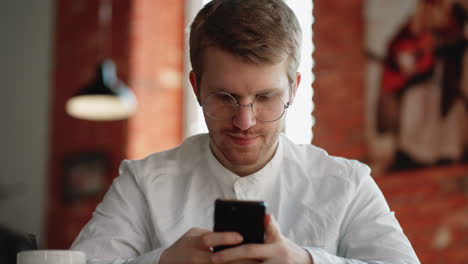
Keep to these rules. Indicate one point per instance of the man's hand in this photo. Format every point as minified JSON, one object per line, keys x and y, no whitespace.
{"x":195,"y":246}
{"x":277,"y":249}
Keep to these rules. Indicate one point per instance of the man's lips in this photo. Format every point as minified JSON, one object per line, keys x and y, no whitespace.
{"x":243,"y":140}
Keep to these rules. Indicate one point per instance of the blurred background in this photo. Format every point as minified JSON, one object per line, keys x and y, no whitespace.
{"x":56,"y":168}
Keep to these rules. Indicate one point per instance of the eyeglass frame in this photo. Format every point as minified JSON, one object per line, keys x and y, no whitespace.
{"x":285,"y":107}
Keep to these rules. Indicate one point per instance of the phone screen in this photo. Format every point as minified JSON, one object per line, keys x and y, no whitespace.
{"x":245,"y":217}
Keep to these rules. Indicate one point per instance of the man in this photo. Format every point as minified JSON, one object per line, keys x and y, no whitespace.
{"x":322,"y":209}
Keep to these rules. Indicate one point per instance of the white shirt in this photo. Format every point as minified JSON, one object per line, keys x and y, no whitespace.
{"x":330,"y":206}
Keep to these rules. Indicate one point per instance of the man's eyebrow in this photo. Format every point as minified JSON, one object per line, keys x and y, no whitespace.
{"x":270,"y":90}
{"x":216,"y":90}
{"x":264,"y":91}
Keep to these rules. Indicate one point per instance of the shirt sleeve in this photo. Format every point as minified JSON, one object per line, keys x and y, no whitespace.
{"x":370,"y":233}
{"x":120,"y":231}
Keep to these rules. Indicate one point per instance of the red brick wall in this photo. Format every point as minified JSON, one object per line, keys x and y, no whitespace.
{"x":339,"y":84}
{"x":431,"y":204}
{"x":147,"y":47}
{"x":76,"y":54}
{"x":157,"y":43}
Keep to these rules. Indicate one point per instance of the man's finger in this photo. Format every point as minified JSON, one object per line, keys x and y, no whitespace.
{"x":247,"y":252}
{"x":196,"y":231}
{"x":214,"y":239}
{"x":272,"y":231}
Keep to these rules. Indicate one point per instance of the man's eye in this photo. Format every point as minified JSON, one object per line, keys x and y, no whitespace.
{"x":264,"y":97}
{"x":223,"y":97}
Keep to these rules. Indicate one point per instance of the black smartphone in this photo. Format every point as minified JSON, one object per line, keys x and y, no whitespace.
{"x":244,"y":217}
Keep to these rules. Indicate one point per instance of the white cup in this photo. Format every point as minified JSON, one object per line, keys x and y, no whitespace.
{"x":51,"y":257}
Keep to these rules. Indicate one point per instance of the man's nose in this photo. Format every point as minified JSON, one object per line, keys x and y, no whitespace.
{"x":244,"y":118}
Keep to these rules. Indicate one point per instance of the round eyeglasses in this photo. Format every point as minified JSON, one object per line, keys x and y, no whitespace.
{"x":265,"y":107}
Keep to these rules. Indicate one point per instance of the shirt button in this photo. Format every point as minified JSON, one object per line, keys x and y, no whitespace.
{"x":240,"y":185}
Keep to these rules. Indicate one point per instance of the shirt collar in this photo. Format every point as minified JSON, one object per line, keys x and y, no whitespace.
{"x":259,"y":180}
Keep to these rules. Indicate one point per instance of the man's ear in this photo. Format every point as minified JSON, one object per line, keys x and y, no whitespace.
{"x":296,"y":85}
{"x":193,"y":82}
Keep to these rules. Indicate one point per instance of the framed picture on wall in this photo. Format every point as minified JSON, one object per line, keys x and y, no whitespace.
{"x":417,"y":83}
{"x":84,"y":176}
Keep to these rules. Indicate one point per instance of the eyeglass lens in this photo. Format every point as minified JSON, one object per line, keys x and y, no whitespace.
{"x":223,"y":106}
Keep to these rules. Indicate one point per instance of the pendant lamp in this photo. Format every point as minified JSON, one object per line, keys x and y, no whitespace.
{"x":105,"y":98}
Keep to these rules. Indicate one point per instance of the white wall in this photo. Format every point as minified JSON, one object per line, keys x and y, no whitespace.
{"x":300,"y":121}
{"x":26,"y":32}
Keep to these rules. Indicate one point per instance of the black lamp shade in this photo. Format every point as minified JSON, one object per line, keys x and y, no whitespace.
{"x":106,"y":98}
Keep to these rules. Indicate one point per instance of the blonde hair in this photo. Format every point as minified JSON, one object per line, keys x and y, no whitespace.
{"x":258,"y":31}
